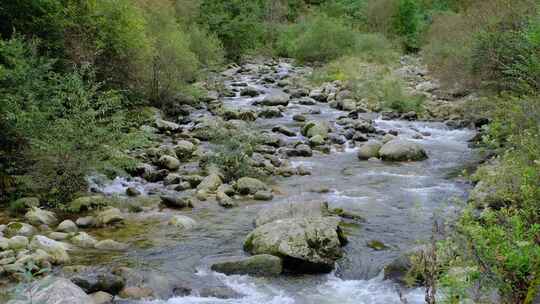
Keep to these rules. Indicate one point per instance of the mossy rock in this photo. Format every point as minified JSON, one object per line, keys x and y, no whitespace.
{"x":88,"y":203}
{"x":377,"y":245}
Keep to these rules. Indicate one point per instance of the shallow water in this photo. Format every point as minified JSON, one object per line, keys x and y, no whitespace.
{"x":398,"y":202}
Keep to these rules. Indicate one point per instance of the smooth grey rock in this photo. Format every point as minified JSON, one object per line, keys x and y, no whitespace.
{"x":369,"y":150}
{"x":52,"y":290}
{"x":67,"y":226}
{"x":402,"y":150}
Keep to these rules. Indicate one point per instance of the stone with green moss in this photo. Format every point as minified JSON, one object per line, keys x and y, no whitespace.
{"x":307,"y":245}
{"x":258,"y":265}
{"x":377,"y":245}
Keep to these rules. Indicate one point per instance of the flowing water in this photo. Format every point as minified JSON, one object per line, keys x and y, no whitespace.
{"x":397,"y":200}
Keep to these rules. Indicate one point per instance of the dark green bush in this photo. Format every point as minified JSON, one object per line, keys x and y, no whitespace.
{"x":232,"y":153}
{"x":509,"y":58}
{"x":317,"y":38}
{"x":64,"y":120}
{"x":237,"y":23}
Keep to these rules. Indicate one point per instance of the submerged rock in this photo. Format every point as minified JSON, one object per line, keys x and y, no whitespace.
{"x":136,"y":293}
{"x":183,"y":222}
{"x":402,"y":150}
{"x":111,"y":245}
{"x":258,"y":265}
{"x":306,"y":245}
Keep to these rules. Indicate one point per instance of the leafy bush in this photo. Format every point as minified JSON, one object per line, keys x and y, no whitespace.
{"x":65,"y":120}
{"x":232,"y":153}
{"x":237,"y":23}
{"x":206,"y":46}
{"x":408,"y":23}
{"x":485,"y":41}
{"x":509,"y":59}
{"x":317,"y":38}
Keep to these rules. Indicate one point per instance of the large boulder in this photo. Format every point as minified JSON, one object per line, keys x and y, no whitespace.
{"x":276,"y":98}
{"x":291,"y":210}
{"x":258,"y":265}
{"x":249,"y":185}
{"x":37,"y":216}
{"x":402,"y":150}
{"x":306,"y":245}
{"x":52,"y":290}
{"x":56,"y":250}
{"x":369,"y":150}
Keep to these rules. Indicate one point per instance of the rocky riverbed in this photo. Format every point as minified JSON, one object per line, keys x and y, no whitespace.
{"x":343,"y":192}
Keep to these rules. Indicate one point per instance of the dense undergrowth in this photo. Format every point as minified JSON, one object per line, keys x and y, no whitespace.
{"x":74,"y":76}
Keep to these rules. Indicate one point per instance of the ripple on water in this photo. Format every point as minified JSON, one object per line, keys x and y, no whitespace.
{"x":333,"y":291}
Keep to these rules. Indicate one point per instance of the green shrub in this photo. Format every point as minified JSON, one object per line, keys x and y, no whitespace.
{"x":237,"y":23}
{"x":485,"y":44}
{"x":173,"y":63}
{"x":232,"y":153}
{"x":206,"y":46}
{"x":509,"y":59}
{"x":64,"y":120}
{"x":317,"y":38}
{"x":408,"y":23}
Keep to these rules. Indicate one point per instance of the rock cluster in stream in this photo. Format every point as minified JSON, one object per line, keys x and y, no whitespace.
{"x":302,"y":237}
